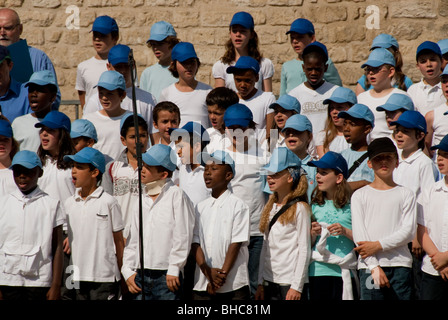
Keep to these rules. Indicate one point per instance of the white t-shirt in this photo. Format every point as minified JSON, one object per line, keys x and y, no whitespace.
{"x":156,"y":78}
{"x":337,"y":145}
{"x":25,"y":133}
{"x":191,"y":104}
{"x":380,"y":129}
{"x":426,"y":97}
{"x":388,"y":216}
{"x":108,"y":131}
{"x":56,"y":182}
{"x":219,"y":223}
{"x":192,"y":182}
{"x":218,"y":140}
{"x":7,"y":183}
{"x":91,"y":224}
{"x":88,"y":74}
{"x":311,"y":102}
{"x":144,"y":100}
{"x":219,"y":71}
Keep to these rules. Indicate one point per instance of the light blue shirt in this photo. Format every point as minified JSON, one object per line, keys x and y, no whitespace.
{"x":15,"y":101}
{"x":363,"y":172}
{"x":156,"y":78}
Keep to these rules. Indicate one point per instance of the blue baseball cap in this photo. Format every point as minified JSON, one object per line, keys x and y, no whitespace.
{"x":5,"y":129}
{"x":119,"y":54}
{"x":42,"y":78}
{"x":126,"y":117}
{"x":104,"y":25}
{"x":112,"y":80}
{"x":342,"y":95}
{"x":88,"y":155}
{"x":183,"y":51}
{"x":245,"y":63}
{"x":302,"y":26}
{"x":443,"y":45}
{"x":218,"y":156}
{"x":243,"y":19}
{"x":397,"y":101}
{"x":445,"y":71}
{"x":282,"y":158}
{"x":55,"y":120}
{"x":4,"y":53}
{"x":385,"y":41}
{"x":238,"y":114}
{"x":161,"y":30}
{"x":83,"y":128}
{"x":298,"y":122}
{"x":378,"y":57}
{"x":359,"y":111}
{"x":27,"y":159}
{"x":331,"y":160}
{"x":160,"y":155}
{"x":412,"y":120}
{"x":443,"y":144}
{"x":316,"y":46}
{"x":429,"y":46}
{"x":287,"y":102}
{"x":191,"y":127}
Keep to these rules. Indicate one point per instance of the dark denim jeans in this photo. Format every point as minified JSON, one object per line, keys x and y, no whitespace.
{"x":155,"y":287}
{"x":433,"y":288}
{"x":400,"y":279}
{"x":255,"y":246}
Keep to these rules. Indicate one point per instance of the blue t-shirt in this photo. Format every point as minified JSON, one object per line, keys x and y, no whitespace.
{"x":338,"y":245}
{"x":363,"y":172}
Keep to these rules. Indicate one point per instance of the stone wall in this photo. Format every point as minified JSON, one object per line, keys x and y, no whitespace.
{"x":346,"y":27}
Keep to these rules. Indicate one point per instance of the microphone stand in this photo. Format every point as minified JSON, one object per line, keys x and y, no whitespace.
{"x":133,"y":68}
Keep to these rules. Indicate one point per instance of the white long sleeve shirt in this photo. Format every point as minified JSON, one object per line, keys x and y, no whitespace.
{"x":168,"y":224}
{"x":388,"y":216}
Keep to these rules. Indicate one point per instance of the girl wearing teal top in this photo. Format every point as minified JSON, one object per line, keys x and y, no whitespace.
{"x":330,"y":204}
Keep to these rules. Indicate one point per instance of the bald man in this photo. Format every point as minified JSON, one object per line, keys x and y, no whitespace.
{"x":10,"y":31}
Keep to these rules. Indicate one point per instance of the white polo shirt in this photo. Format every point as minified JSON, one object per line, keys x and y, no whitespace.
{"x":56,"y":182}
{"x":193,"y":184}
{"x":286,"y":251}
{"x":26,"y":233}
{"x":91,"y":225}
{"x":440,"y":123}
{"x":433,"y":214}
{"x":425,"y":96}
{"x":219,"y":223}
{"x":168,"y":224}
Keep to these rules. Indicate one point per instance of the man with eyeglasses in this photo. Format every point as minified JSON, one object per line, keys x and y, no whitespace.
{"x":10,"y":31}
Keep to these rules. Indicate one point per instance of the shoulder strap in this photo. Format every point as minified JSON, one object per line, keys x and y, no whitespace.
{"x":357,"y":163}
{"x":110,"y":172}
{"x":282,"y":210}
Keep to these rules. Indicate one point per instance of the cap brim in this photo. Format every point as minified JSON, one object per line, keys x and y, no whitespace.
{"x":48,"y":124}
{"x":388,"y":108}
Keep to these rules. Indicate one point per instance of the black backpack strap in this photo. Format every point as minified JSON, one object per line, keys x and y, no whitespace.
{"x":357,"y":163}
{"x":282,"y":210}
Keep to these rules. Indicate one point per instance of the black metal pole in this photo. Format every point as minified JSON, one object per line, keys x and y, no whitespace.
{"x":133,"y":68}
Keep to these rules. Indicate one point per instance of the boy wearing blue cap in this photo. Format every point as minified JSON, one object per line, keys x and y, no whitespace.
{"x":245,"y":74}
{"x":111,"y":92}
{"x":31,"y":248}
{"x":105,"y":34}
{"x":315,"y":89}
{"x":83,"y":134}
{"x":427,"y":94}
{"x":384,"y":222}
{"x":302,"y":33}
{"x":187,"y":93}
{"x":168,"y":220}
{"x":95,"y":228}
{"x":221,"y":235}
{"x":162,"y":39}
{"x":118,"y":60}
{"x":431,"y":230}
{"x":42,"y":91}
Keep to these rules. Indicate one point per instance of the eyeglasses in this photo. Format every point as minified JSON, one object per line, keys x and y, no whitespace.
{"x":9,"y":28}
{"x":374,"y":70}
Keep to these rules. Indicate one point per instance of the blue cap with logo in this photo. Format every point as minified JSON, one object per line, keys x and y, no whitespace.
{"x":316,"y":46}
{"x":183,"y":51}
{"x":443,"y":45}
{"x":428,"y":46}
{"x":331,"y":160}
{"x":160,"y":155}
{"x":359,"y":111}
{"x":5,"y":129}
{"x":282,"y":158}
{"x":27,"y":159}
{"x":443,"y":144}
{"x":191,"y":127}
{"x":245,"y":63}
{"x":397,"y":101}
{"x":412,"y":120}
{"x":89,"y":155}
{"x":378,"y":57}
{"x":243,"y":19}
{"x":83,"y":128}
{"x":119,"y":54}
{"x":287,"y":102}
{"x":238,"y":114}
{"x":55,"y":120}
{"x":342,"y":95}
{"x":42,"y":78}
{"x":385,"y":41}
{"x":161,"y":30}
{"x":218,"y":157}
{"x":298,"y":122}
{"x":112,"y":80}
{"x":104,"y":25}
{"x":302,"y":26}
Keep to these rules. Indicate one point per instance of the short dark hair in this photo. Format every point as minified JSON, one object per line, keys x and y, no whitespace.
{"x":317,"y":54}
{"x":222,"y":97}
{"x":164,"y":106}
{"x":173,"y":69}
{"x":129,"y":123}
